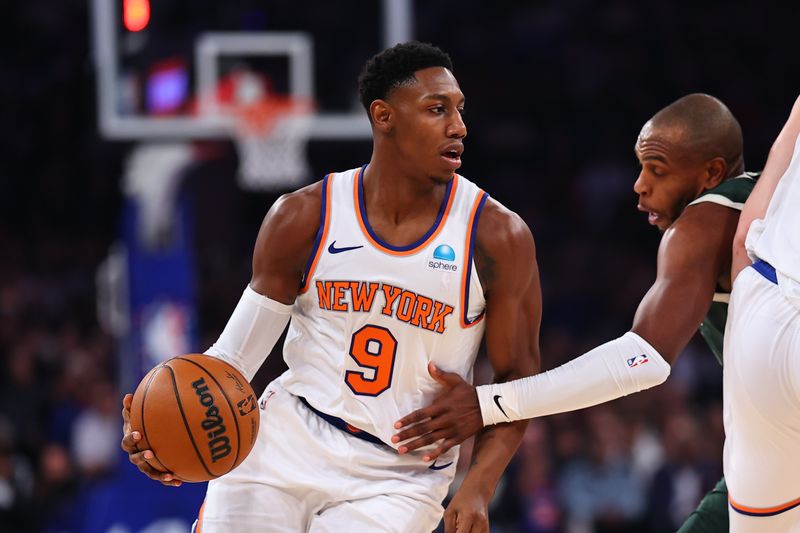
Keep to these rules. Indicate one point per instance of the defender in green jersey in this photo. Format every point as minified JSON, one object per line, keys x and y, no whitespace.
{"x":692,"y":185}
{"x":711,"y":515}
{"x":730,"y":193}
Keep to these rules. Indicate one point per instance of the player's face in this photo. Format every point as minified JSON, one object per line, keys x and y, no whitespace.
{"x":670,"y":176}
{"x":429,"y":129}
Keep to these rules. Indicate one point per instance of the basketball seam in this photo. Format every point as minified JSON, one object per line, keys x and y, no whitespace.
{"x":186,"y":422}
{"x":233,"y":412}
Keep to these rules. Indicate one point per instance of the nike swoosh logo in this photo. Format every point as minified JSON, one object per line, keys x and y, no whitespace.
{"x":334,"y":250}
{"x":434,"y":466}
{"x":497,"y":402}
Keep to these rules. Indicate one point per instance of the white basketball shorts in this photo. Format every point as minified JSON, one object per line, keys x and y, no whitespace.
{"x":305,"y":475}
{"x":762,"y":404}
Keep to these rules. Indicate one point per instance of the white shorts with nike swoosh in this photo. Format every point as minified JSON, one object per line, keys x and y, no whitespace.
{"x":305,"y":475}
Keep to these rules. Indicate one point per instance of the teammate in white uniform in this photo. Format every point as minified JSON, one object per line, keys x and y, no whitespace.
{"x":383,"y":270}
{"x":762,"y":349}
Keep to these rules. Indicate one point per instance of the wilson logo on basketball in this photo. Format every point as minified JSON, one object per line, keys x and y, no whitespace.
{"x":218,"y":444}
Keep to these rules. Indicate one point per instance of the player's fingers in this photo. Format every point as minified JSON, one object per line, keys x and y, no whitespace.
{"x":443,"y":448}
{"x":126,"y":411}
{"x":463,"y":524}
{"x":130,"y":441}
{"x":140,"y":460}
{"x":414,"y":431}
{"x":435,"y":373}
{"x":449,"y":521}
{"x":419,"y":442}
{"x":417,"y":416}
{"x":445,"y":378}
{"x":475,"y":524}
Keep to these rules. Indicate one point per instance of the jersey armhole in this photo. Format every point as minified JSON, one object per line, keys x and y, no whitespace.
{"x":718,"y":199}
{"x":322,"y":234}
{"x":466,"y":275}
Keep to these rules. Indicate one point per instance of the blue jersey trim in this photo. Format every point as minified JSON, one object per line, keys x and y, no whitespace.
{"x":363,"y":208}
{"x":342,"y":425}
{"x":473,"y":232}
{"x":318,"y":239}
{"x":766,"y":270}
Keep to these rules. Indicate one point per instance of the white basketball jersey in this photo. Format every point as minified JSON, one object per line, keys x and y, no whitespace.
{"x":370,"y":316}
{"x":779,"y":244}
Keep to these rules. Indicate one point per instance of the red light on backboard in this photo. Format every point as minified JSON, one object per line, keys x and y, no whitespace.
{"x":136,"y":14}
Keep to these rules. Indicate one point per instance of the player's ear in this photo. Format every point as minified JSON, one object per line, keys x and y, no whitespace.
{"x":382,"y":115}
{"x":716,"y":170}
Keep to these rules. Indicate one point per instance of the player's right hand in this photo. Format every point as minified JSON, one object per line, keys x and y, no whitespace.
{"x":139,"y":457}
{"x":452,"y":417}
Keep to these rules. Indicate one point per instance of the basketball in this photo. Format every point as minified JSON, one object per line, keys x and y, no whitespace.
{"x":197,"y":414}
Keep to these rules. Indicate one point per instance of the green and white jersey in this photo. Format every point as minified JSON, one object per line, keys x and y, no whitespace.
{"x":733,"y":193}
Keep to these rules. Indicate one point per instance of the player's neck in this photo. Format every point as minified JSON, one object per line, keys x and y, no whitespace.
{"x":398,"y":195}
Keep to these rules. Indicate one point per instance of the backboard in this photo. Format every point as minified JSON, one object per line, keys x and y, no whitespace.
{"x":162,"y":64}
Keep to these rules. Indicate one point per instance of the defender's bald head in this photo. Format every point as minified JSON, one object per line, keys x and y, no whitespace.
{"x":705,"y":128}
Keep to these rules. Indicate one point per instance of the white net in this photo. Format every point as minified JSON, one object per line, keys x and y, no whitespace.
{"x":273,"y":156}
{"x":271,"y":130}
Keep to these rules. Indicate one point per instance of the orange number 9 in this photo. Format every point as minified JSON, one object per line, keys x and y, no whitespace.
{"x":374,"y":348}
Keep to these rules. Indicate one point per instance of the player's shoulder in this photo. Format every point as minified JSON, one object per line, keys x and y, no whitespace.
{"x":505,"y":253}
{"x":731,"y":192}
{"x":714,"y":210}
{"x":306,"y":198}
{"x":703,"y":230}
{"x":500,"y":220}
{"x":501,"y":231}
{"x":296,"y":213}
{"x":703,"y":218}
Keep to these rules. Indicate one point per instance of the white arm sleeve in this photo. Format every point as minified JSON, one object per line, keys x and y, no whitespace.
{"x":617,"y":368}
{"x":251,"y":332}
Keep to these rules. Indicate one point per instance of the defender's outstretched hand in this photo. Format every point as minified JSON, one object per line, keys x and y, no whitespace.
{"x":137,"y":456}
{"x":454,"y":416}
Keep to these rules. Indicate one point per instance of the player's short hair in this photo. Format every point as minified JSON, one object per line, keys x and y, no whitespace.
{"x":708,"y":126}
{"x":395,"y":67}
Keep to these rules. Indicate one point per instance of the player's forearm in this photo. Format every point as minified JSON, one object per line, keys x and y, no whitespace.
{"x":780,"y":155}
{"x":623,"y":366}
{"x":740,"y":259}
{"x":757,"y":203}
{"x":254,"y":327}
{"x":493,"y":450}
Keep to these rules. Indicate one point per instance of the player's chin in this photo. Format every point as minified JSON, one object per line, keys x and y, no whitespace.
{"x":664,"y":225}
{"x":443,"y":177}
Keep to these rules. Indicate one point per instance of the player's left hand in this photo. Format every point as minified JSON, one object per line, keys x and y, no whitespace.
{"x":468,"y":512}
{"x":454,"y":416}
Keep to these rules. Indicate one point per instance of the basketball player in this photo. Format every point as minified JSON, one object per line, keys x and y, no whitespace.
{"x":383,"y":269}
{"x":762,"y":349}
{"x":692,"y":185}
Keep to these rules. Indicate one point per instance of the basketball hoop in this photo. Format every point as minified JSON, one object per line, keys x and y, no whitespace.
{"x":271,"y":135}
{"x":270,"y":130}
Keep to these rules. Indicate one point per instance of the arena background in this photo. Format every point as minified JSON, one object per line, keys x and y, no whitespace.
{"x":556,"y":95}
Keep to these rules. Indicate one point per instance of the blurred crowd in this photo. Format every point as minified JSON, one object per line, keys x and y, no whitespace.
{"x":556,"y":94}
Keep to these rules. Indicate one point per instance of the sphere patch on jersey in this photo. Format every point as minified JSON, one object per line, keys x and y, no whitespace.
{"x":444,"y":252}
